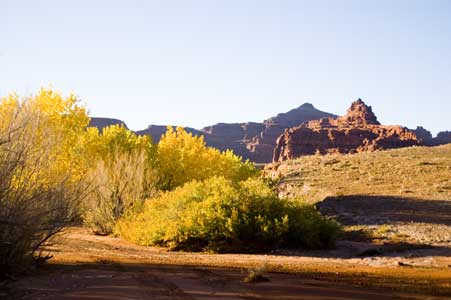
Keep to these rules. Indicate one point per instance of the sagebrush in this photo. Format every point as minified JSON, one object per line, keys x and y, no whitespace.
{"x":40,"y":180}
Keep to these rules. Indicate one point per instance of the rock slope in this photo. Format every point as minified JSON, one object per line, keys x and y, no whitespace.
{"x":357,"y":131}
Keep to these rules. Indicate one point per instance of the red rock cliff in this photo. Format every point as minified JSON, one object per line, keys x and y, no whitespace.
{"x":357,"y":131}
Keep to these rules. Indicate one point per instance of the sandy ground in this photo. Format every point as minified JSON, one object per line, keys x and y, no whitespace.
{"x":85,"y":266}
{"x":166,"y":282}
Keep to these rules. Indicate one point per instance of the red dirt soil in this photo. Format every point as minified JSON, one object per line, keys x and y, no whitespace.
{"x":91,"y":267}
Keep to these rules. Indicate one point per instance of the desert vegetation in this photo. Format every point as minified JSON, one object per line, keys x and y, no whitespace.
{"x":421,"y":172}
{"x":221,"y":216}
{"x":40,"y":178}
{"x":397,"y":196}
{"x":179,"y":193}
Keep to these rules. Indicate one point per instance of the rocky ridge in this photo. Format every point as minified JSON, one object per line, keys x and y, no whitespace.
{"x":357,"y":131}
{"x":257,"y":141}
{"x":252,"y":140}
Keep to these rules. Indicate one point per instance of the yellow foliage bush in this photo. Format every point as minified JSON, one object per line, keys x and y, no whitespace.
{"x":121,"y":175}
{"x":39,"y":172}
{"x":53,"y":169}
{"x":222,"y":216}
{"x":53,"y":124}
{"x":114,"y":140}
{"x":182,"y":157}
{"x":117,"y":186}
{"x":129,"y":168}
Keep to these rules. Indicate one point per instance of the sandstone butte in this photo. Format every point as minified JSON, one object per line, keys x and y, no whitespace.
{"x":357,"y":131}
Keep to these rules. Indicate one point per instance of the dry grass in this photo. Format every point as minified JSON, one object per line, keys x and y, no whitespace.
{"x":395,"y":196}
{"x":421,"y":172}
{"x":399,"y":200}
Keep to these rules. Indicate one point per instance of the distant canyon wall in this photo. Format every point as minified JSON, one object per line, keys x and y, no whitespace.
{"x":301,"y":131}
{"x":252,"y":140}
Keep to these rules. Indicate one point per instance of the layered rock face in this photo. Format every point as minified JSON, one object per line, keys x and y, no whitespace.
{"x":357,"y":131}
{"x":312,"y":131}
{"x":262,"y":145}
{"x":234,"y":136}
{"x":253,"y":141}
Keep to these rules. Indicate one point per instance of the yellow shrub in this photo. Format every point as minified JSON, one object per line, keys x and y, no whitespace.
{"x":120,"y":176}
{"x":183,"y":157}
{"x":52,"y":124}
{"x":40,"y":171}
{"x":222,"y":216}
{"x":113,"y":140}
{"x":117,"y":186}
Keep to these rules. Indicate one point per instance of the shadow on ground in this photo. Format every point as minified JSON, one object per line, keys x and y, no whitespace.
{"x":377,"y":210}
{"x":430,"y":218}
{"x":350,"y":250}
{"x":136,"y":282}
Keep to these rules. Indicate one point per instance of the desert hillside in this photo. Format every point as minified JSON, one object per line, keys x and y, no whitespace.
{"x":401,"y":195}
{"x":420,"y":172}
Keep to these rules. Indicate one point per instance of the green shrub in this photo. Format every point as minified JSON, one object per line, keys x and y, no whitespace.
{"x":221,"y":216}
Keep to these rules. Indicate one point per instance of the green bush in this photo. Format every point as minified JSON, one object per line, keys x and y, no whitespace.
{"x":221,"y":216}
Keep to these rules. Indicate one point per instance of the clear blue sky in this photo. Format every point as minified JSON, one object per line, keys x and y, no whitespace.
{"x":195,"y":63}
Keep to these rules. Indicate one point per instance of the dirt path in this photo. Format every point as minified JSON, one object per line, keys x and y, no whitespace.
{"x":91,"y":267}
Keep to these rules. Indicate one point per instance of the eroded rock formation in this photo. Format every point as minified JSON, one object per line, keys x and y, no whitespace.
{"x":357,"y":131}
{"x":253,"y":141}
{"x":312,"y":131}
{"x":262,"y":145}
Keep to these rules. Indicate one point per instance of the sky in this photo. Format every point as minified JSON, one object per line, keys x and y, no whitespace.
{"x":197,"y":63}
